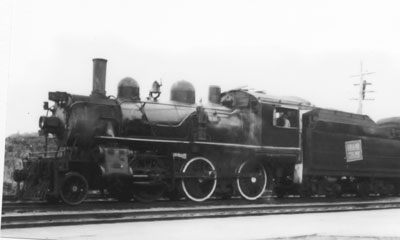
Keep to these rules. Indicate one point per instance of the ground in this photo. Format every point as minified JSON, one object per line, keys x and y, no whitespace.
{"x":374,"y":224}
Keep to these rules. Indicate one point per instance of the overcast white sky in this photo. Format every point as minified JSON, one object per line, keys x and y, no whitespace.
{"x":300,"y":48}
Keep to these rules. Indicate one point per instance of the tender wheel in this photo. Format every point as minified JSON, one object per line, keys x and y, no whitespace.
{"x":363,"y":189}
{"x":73,"y":188}
{"x":251,"y":180}
{"x":199,"y":179}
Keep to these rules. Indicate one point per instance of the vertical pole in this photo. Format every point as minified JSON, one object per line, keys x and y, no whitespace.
{"x":298,"y":167}
{"x":362,"y":88}
{"x":360,"y":94}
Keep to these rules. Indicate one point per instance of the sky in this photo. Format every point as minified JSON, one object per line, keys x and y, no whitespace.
{"x":305,"y":48}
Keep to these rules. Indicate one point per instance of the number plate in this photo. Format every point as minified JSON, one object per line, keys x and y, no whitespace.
{"x":354,"y":151}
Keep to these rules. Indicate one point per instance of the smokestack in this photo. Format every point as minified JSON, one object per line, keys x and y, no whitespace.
{"x":99,"y":77}
{"x":214,"y":94}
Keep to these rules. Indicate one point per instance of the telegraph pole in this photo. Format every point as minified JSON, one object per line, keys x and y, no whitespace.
{"x":362,"y":90}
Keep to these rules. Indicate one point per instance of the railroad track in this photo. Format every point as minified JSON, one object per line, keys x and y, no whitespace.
{"x":111,"y":212}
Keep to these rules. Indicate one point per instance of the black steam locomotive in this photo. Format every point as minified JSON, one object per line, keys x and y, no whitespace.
{"x":240,"y":142}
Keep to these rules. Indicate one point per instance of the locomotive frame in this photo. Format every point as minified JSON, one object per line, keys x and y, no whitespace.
{"x":233,"y":145}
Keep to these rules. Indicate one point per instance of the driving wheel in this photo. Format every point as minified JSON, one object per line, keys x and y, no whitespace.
{"x":148,"y":184}
{"x":199,"y":179}
{"x":251,"y":180}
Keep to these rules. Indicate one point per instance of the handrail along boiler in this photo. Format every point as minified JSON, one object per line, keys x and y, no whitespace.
{"x":235,"y":144}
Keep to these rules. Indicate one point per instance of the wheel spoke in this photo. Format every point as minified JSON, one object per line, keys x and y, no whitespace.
{"x":251,"y":180}
{"x":153,"y":187}
{"x":74,"y":188}
{"x":200,"y":179}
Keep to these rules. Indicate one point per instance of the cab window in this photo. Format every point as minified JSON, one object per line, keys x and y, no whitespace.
{"x":286,"y":117}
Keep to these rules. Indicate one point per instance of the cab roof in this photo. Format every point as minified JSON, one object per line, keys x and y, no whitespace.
{"x":263,"y":97}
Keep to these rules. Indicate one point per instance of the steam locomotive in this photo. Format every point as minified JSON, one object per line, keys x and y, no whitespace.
{"x":240,"y":143}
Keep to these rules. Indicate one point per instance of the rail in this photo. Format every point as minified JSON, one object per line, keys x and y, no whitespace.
{"x":133,"y":212}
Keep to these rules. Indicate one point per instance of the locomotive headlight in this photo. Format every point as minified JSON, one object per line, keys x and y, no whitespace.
{"x":41,"y":122}
{"x":51,"y":125}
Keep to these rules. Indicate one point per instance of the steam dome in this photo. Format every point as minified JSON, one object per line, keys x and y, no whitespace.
{"x":183,"y":91}
{"x":128,"y":88}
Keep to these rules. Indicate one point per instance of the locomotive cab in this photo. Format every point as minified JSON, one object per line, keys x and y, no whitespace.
{"x":275,"y":126}
{"x":276,"y":120}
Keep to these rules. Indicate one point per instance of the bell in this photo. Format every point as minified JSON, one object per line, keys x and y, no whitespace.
{"x":155,"y":91}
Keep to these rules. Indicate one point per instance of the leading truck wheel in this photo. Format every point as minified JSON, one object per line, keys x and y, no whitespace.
{"x":73,"y":188}
{"x":251,"y":180}
{"x":199,"y":179}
